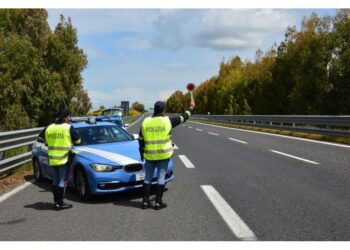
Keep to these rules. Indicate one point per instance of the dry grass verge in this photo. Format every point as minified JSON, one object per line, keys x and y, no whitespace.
{"x":15,"y":178}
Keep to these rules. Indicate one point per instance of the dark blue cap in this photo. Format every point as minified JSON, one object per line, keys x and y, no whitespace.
{"x":63,"y":113}
{"x":159,"y":107}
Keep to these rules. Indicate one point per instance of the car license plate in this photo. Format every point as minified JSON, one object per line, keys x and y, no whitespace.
{"x":140,"y":176}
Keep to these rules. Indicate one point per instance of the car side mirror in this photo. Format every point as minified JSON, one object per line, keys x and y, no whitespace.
{"x":41,"y":140}
{"x":126,"y":125}
{"x":136,"y":136}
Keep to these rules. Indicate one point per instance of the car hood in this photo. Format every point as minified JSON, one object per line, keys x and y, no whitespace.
{"x":120,"y":153}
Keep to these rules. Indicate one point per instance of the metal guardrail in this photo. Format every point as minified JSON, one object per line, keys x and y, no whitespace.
{"x":25,"y":138}
{"x":338,"y":126}
{"x":16,"y":139}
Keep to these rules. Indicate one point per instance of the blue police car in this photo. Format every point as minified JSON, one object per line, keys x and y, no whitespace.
{"x":106,"y":161}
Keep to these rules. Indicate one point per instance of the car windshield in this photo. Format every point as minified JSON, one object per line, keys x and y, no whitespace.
{"x":118,"y":122}
{"x":102,"y":134}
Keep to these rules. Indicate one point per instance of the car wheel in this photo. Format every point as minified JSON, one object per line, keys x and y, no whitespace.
{"x":82,"y":184}
{"x":37,"y":171}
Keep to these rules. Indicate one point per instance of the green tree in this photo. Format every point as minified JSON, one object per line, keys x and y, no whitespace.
{"x":138,"y":107}
{"x":338,"y":101}
{"x":40,"y":70}
{"x":177,"y":102}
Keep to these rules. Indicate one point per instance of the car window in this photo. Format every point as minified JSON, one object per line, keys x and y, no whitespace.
{"x":102,"y":134}
{"x":118,"y":122}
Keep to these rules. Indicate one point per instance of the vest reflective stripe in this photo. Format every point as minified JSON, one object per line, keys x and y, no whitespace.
{"x":182,"y":119}
{"x":60,"y":148}
{"x":156,"y":133}
{"x":160,"y":151}
{"x":59,"y":143}
{"x":157,"y":142}
{"x":58,"y":157}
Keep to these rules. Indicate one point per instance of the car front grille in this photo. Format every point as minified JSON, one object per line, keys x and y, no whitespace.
{"x":133,"y":168}
{"x":117,"y":185}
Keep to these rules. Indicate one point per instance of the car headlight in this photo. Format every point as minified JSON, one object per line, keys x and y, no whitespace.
{"x":103,"y":167}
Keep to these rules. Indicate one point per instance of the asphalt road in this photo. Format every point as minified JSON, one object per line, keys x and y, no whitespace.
{"x":249,"y":187}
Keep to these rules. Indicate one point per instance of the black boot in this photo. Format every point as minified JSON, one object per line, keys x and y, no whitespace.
{"x":55,"y":195}
{"x":60,"y":204}
{"x":159,"y":195}
{"x":146,"y":193}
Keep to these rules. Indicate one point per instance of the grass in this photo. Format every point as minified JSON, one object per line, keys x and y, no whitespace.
{"x":318,"y":137}
{"x":16,"y":151}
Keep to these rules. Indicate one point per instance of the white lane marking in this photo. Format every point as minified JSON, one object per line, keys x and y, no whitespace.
{"x":136,"y":121}
{"x":237,"y":140}
{"x":176,"y":147}
{"x":295,"y":157}
{"x":199,"y":130}
{"x":14,"y":191}
{"x":186,"y":161}
{"x":284,"y":136}
{"x":189,"y":127}
{"x":212,"y":133}
{"x":232,"y":219}
{"x":183,"y":125}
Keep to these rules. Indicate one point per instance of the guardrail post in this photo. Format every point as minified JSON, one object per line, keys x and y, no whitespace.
{"x":1,"y":155}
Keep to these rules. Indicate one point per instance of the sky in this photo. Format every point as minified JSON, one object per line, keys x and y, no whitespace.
{"x":145,"y":55}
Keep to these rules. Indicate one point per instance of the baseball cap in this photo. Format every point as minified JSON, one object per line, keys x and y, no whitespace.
{"x":63,"y":113}
{"x":159,"y":107}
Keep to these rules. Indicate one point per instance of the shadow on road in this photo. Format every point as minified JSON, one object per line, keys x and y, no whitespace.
{"x":41,"y":206}
{"x":12,"y":222}
{"x":129,"y":198}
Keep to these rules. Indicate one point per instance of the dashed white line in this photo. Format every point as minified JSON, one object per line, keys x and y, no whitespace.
{"x":284,"y":136}
{"x":176,"y":147}
{"x":186,"y":161}
{"x":232,"y":219}
{"x":295,"y":157}
{"x":199,"y":130}
{"x":189,"y":127}
{"x":232,"y":139}
{"x":14,"y":191}
{"x":212,"y":133}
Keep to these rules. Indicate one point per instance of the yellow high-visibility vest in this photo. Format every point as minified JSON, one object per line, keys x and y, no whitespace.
{"x":59,"y":143}
{"x":156,"y":133}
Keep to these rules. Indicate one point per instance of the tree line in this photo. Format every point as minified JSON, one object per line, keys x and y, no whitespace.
{"x":308,"y":73}
{"x":40,"y":69}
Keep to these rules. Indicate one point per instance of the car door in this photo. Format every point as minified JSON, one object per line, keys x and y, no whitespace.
{"x":41,"y":148}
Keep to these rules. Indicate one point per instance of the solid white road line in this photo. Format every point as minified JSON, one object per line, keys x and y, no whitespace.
{"x":295,"y":157}
{"x":136,"y":121}
{"x":232,"y":219}
{"x":14,"y":191}
{"x":238,"y":140}
{"x":186,"y":161}
{"x":284,"y":136}
{"x":199,"y":130}
{"x":212,"y":133}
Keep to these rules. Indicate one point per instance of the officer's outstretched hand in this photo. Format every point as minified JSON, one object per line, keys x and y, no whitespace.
{"x":192,"y":105}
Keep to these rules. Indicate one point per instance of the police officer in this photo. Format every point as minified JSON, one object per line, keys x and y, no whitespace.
{"x":59,"y":137}
{"x":156,"y":147}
